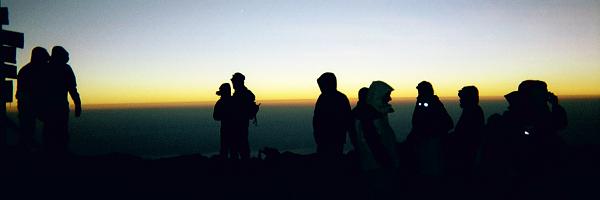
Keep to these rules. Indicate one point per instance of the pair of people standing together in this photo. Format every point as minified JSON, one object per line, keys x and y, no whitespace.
{"x":42,"y":87}
{"x":234,"y":112}
{"x":368,"y":124}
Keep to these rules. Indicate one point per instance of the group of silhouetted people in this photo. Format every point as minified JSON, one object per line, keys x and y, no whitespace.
{"x":235,"y":111}
{"x":523,"y":140}
{"x":42,"y":88}
{"x":519,"y":146}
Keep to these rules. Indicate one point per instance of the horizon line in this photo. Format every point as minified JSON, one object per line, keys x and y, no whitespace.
{"x":287,"y":101}
{"x":271,"y":102}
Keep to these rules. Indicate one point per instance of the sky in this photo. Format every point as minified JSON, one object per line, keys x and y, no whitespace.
{"x":149,"y":51}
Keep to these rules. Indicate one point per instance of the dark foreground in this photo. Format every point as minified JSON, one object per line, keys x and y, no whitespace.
{"x":276,"y":176}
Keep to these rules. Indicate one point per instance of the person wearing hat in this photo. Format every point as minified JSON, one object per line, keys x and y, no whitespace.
{"x":430,"y":123}
{"x":222,"y":112}
{"x":244,"y":109}
{"x":465,"y":140}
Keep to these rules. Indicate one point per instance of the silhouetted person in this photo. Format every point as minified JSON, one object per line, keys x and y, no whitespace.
{"x":500,"y":147}
{"x":364,"y":137}
{"x":430,"y":122}
{"x":540,"y":123}
{"x":26,"y":96}
{"x":465,"y":140}
{"x":524,"y":140}
{"x":373,"y":125}
{"x":546,"y":121}
{"x":223,"y":113}
{"x":332,"y":117}
{"x":244,"y":109}
{"x":361,"y":105}
{"x":56,"y":81}
{"x":361,"y":115}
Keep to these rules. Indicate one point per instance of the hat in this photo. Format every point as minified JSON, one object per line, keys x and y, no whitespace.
{"x":238,"y":76}
{"x":224,"y":89}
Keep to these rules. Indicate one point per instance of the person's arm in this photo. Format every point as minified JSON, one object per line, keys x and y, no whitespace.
{"x":352,"y":134}
{"x":72,"y":88}
{"x":218,"y":111}
{"x":317,"y":122}
{"x":348,"y":119}
{"x":21,"y":78}
{"x":76,"y":100}
{"x":559,"y":115}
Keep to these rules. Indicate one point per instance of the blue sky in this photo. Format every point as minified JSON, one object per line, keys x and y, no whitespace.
{"x":161,"y":51}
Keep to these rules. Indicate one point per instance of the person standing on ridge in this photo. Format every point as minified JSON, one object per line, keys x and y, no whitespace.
{"x":374,"y":128}
{"x":430,"y":124}
{"x":56,"y":81}
{"x":25,"y":95}
{"x":332,"y":117}
{"x":466,"y":138}
{"x":244,"y":108}
{"x":222,"y":112}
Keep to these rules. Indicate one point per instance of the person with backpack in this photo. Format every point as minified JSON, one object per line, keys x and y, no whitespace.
{"x":244,"y":108}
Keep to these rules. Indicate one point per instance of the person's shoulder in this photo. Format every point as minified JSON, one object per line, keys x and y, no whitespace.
{"x":479,"y":109}
{"x":25,"y":69}
{"x":341,"y":95}
{"x":249,"y":92}
{"x":68,"y":68}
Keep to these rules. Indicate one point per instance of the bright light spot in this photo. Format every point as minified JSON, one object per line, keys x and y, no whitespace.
{"x":526,"y":133}
{"x":420,"y":104}
{"x":425,"y":104}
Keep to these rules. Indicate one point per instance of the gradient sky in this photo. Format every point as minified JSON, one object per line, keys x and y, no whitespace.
{"x":126,"y":51}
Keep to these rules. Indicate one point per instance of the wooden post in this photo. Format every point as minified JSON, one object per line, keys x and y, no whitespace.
{"x":9,"y":42}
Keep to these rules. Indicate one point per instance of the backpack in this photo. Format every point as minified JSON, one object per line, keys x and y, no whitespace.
{"x":254,"y":110}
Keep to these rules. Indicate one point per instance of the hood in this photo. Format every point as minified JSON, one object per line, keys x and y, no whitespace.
{"x":376,"y":97}
{"x":327,"y":82}
{"x":59,"y":55}
{"x":39,"y":55}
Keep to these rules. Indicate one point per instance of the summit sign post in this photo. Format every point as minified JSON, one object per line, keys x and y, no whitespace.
{"x":9,"y":42}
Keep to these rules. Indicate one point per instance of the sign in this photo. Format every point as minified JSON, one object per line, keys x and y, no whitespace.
{"x":4,"y":16}
{"x":8,"y":54}
{"x":7,"y":91}
{"x":11,"y":38}
{"x":8,"y":71}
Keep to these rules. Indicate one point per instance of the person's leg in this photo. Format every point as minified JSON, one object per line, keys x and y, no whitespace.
{"x":244,"y":144}
{"x":63,"y":134}
{"x":56,"y":134}
{"x":48,"y":139}
{"x":234,"y":142}
{"x":223,"y":147}
{"x":27,"y":129}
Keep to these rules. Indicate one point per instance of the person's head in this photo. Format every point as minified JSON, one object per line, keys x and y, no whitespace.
{"x":379,"y":96}
{"x":59,"y":55}
{"x":39,"y":55}
{"x":224,"y":90}
{"x":469,"y":96}
{"x":425,"y":88}
{"x":362,"y":94}
{"x":327,"y":82}
{"x":238,"y":80}
{"x":514,"y":99}
{"x":534,"y":91}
